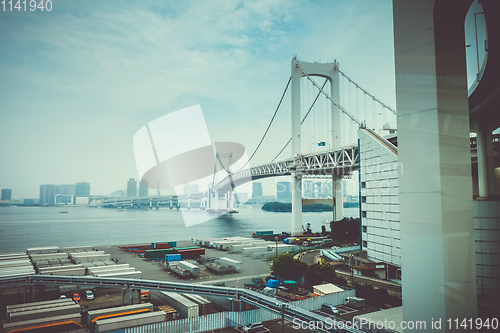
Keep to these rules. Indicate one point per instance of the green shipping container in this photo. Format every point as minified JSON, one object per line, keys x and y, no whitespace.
{"x":188,"y":248}
{"x":158,"y":253}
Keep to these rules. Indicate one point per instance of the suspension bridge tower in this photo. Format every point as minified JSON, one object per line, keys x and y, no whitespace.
{"x":330,"y":72}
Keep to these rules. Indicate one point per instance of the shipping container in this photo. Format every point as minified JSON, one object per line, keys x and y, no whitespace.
{"x":172,"y":257}
{"x":120,"y":323}
{"x":150,"y":254}
{"x":187,"y":248}
{"x":125,"y":275}
{"x":192,"y":253}
{"x":46,"y":249}
{"x":94,"y":269}
{"x":49,"y":256}
{"x":43,"y":313}
{"x":85,"y":254}
{"x":231,"y":262}
{"x":204,"y":305}
{"x":99,"y":257}
{"x":194,"y":269}
{"x":249,"y":251}
{"x":94,"y":315}
{"x":184,"y":307}
{"x":45,"y":322}
{"x":112,"y":270}
{"x":163,"y":245}
{"x":41,"y":304}
{"x":77,"y":249}
{"x":264,"y":233}
{"x":65,"y":271}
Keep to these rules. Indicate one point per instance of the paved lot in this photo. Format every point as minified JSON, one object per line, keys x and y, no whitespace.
{"x":154,"y":270}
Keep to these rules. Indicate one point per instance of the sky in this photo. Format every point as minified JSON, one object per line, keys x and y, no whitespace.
{"x":77,"y":82}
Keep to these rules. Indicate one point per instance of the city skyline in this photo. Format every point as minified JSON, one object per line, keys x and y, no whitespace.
{"x":95,"y":79}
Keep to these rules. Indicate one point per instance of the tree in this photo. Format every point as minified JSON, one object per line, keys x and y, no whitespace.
{"x":286,"y":267}
{"x":317,"y":273}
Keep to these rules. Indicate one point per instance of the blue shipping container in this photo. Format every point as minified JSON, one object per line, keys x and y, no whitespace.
{"x":172,"y":257}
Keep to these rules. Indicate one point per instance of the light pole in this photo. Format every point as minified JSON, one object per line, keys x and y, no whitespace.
{"x":276,"y":239}
{"x":237,"y":280}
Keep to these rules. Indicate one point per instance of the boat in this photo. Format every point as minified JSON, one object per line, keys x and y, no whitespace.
{"x":63,"y":212}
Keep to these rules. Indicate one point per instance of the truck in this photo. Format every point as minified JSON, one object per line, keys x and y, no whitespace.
{"x":355,"y":302}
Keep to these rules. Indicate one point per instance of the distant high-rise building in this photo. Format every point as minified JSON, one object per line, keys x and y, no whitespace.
{"x":256,"y":190}
{"x":144,"y":188}
{"x":67,"y":189}
{"x":82,"y":189}
{"x":6,"y":194}
{"x":48,"y":193}
{"x":131,"y":187}
{"x":195,"y":188}
{"x":284,"y":191}
{"x":118,"y":194}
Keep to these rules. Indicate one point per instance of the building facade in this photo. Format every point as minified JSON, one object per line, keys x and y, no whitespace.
{"x":82,"y":189}
{"x":144,"y":188}
{"x":284,"y":191}
{"x":256,"y":190}
{"x":6,"y":194}
{"x":131,"y":187}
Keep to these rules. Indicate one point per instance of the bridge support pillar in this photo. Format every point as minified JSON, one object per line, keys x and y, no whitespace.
{"x":296,"y":205}
{"x":435,"y":189}
{"x":337,"y":193}
{"x":123,"y":296}
{"x":131,"y":296}
{"x":33,"y":292}
{"x":231,"y":200}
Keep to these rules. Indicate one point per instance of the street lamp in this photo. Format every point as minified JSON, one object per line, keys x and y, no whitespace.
{"x":237,"y":280}
{"x":276,"y":239}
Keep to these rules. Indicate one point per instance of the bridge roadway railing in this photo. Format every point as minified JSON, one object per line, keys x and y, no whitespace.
{"x":340,"y":161}
{"x":289,"y":312}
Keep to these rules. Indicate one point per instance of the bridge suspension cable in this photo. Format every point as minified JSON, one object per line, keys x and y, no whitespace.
{"x":303,"y":119}
{"x":366,"y":92}
{"x":360,"y":124}
{"x":270,"y":123}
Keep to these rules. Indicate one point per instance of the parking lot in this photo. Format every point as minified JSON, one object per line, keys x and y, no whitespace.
{"x":155,"y":270}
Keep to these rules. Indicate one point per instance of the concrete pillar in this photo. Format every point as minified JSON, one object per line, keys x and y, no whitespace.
{"x":296,"y":150}
{"x":33,"y":292}
{"x":189,"y":202}
{"x":24,"y":295}
{"x":336,"y":113}
{"x":482,"y":164}
{"x":437,"y":233}
{"x":131,"y":296}
{"x":337,"y":193}
{"x":231,"y":200}
{"x":123,"y":296}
